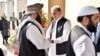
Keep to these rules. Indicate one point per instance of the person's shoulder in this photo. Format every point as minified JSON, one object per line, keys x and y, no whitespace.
{"x":82,"y":38}
{"x":5,"y":20}
{"x":67,"y":21}
{"x":65,"y":18}
{"x":32,"y":26}
{"x":0,"y":20}
{"x":98,"y":24}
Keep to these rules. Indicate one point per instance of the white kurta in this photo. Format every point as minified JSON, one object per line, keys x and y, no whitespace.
{"x":33,"y":34}
{"x":63,"y":38}
{"x":83,"y":46}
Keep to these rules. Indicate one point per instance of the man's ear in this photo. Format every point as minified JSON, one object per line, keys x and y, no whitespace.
{"x":85,"y":20}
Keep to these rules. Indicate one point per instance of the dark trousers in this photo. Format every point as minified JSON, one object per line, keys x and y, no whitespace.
{"x":5,"y":40}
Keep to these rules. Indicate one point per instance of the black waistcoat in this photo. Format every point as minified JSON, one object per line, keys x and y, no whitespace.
{"x":60,"y":48}
{"x":26,"y":47}
{"x":98,"y":45}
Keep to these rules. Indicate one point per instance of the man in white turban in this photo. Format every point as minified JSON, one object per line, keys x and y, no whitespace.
{"x":80,"y":43}
{"x":30,"y":34}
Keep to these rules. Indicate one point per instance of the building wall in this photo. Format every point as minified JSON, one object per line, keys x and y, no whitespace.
{"x":73,"y":6}
{"x":21,"y":4}
{"x":21,"y":7}
{"x":11,"y":10}
{"x":1,"y":7}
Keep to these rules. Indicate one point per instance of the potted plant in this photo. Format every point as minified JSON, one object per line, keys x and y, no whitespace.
{"x":43,"y":19}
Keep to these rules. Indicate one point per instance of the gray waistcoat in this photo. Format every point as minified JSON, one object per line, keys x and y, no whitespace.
{"x":74,"y":35}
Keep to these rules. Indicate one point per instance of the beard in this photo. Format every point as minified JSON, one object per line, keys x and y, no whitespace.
{"x":91,"y":27}
{"x":38,"y":19}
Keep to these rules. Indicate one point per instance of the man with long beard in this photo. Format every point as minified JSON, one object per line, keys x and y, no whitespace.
{"x":80,"y":43}
{"x":30,"y":34}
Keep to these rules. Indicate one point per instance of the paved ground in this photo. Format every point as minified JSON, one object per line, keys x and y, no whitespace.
{"x":7,"y":50}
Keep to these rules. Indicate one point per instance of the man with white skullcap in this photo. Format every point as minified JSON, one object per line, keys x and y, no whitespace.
{"x":58,"y":32}
{"x":30,"y":33}
{"x":80,"y":43}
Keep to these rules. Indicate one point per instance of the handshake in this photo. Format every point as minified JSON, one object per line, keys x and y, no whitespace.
{"x":51,"y":41}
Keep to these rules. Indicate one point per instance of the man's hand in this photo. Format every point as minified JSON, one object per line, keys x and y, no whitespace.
{"x":51,"y":41}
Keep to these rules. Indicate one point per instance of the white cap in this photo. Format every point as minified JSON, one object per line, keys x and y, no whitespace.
{"x":88,"y":10}
{"x":54,"y":7}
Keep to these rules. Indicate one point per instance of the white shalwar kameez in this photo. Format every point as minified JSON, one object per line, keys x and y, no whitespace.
{"x":66,"y":31}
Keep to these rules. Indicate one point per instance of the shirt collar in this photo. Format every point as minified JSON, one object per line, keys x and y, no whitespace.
{"x":84,"y":28}
{"x":98,"y":24}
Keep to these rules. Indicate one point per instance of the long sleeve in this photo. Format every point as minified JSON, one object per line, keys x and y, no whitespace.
{"x":34,"y":35}
{"x":66,"y":31}
{"x":83,"y":46}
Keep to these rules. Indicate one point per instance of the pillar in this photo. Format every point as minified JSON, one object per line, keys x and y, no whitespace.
{"x":16,"y":12}
{"x":7,"y":9}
